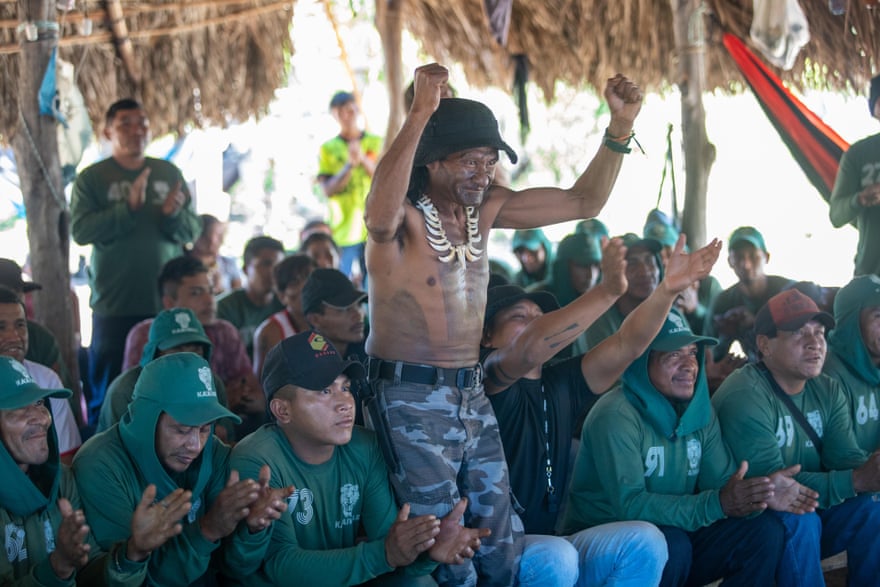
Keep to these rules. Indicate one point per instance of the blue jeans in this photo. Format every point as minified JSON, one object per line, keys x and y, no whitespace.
{"x":743,"y":551}
{"x":800,"y":565}
{"x":620,"y":554}
{"x":547,"y":561}
{"x":854,"y":526}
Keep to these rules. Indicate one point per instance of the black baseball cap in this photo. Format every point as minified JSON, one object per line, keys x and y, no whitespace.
{"x":331,"y":287}
{"x":504,"y":296}
{"x":307,"y":360}
{"x":11,"y":277}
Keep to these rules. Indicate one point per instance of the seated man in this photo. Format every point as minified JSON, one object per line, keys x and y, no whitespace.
{"x":336,"y":310}
{"x":534,"y":251}
{"x":538,"y":406}
{"x":166,"y":440}
{"x":784,"y":412}
{"x":246,"y":307}
{"x":323,"y":249}
{"x":574,"y":270}
{"x":14,"y":344}
{"x":732,"y":313}
{"x":42,"y":346}
{"x":644,"y":271}
{"x":854,"y":360}
{"x":289,"y":277}
{"x":651,"y":450}
{"x":184,"y":282}
{"x":341,"y":483}
{"x":48,"y":541}
{"x":173,"y":331}
{"x":694,"y":301}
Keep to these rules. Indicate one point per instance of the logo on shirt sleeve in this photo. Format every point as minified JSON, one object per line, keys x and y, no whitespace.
{"x":655,"y":461}
{"x":15,"y":547}
{"x":695,"y":455}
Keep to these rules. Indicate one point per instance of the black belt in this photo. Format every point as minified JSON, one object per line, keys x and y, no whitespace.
{"x":463,"y":378}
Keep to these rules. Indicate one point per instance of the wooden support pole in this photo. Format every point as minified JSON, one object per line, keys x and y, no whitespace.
{"x":699,"y":153}
{"x":35,"y":145}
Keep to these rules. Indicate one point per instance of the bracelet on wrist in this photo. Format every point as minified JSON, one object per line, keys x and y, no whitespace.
{"x":621,"y":144}
{"x":617,"y":147}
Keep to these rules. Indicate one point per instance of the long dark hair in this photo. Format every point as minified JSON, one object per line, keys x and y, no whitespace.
{"x":418,"y":183}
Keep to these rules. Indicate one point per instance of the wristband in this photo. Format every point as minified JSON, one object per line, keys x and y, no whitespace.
{"x":617,"y":147}
{"x":621,"y":144}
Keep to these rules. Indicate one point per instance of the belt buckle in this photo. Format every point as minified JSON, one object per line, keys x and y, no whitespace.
{"x":470,"y":378}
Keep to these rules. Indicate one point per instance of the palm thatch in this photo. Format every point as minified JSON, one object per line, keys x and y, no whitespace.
{"x":199,"y":62}
{"x":587,"y":41}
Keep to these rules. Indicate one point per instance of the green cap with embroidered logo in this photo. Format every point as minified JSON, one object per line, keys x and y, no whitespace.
{"x":183,"y":385}
{"x":18,"y":389}
{"x":676,"y":334}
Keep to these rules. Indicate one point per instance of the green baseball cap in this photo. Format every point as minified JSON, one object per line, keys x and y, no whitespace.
{"x":530,"y":238}
{"x":592,"y":226}
{"x":178,"y":326}
{"x":746,"y":234}
{"x":676,"y":333}
{"x":183,"y":385}
{"x":581,"y":248}
{"x":18,"y":389}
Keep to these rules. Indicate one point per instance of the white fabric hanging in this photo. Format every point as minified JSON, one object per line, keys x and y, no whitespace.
{"x":779,"y":30}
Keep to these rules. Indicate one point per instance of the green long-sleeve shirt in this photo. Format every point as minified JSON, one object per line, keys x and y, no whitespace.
{"x":759,"y":428}
{"x":627,"y":470}
{"x":111,"y":483}
{"x":859,"y":168}
{"x":316,"y":540}
{"x":30,"y":537}
{"x":863,"y":401}
{"x":129,"y":247}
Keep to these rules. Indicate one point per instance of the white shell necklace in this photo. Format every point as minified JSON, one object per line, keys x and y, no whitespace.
{"x":440,"y":242}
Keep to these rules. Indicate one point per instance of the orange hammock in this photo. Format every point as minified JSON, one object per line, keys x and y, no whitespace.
{"x":813,"y":144}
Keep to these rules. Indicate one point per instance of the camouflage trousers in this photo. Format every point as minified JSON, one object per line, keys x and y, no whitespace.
{"x":447,"y":443}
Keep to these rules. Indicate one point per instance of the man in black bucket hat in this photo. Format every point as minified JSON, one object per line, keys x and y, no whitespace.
{"x":428,"y":215}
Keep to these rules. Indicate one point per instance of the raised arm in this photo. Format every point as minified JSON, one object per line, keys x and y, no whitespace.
{"x":384,"y":206}
{"x":604,"y":364}
{"x":546,"y":335}
{"x":585,"y":199}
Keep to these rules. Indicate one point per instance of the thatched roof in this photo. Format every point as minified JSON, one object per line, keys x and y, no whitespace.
{"x":216,"y":61}
{"x":587,"y":41}
{"x":200,"y":61}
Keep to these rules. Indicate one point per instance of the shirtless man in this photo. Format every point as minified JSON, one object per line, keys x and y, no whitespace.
{"x":428,"y":215}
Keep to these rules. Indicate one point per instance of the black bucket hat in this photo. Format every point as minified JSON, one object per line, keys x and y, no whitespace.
{"x":459,"y":124}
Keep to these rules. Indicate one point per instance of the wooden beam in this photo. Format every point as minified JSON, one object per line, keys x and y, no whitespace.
{"x":97,"y":38}
{"x":122,"y":41}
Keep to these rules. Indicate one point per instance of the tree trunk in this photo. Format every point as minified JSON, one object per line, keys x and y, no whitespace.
{"x":35,"y":145}
{"x":389,"y":23}
{"x":699,"y":153}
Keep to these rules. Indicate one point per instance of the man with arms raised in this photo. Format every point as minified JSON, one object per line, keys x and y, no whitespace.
{"x":428,"y":215}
